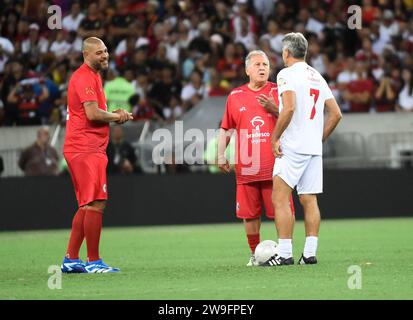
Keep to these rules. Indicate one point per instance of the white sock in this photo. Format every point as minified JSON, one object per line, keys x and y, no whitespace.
{"x":285,"y":248}
{"x":310,"y":248}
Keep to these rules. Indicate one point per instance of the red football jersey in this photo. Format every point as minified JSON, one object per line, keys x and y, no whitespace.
{"x":83,"y":135}
{"x":254,"y":126}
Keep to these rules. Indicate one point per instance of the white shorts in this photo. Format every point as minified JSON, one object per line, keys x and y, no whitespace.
{"x":301,"y":170}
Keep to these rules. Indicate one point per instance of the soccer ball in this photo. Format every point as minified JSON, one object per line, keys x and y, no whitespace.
{"x":264,"y":251}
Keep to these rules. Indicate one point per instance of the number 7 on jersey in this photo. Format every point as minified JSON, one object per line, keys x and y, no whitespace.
{"x":315,"y":93}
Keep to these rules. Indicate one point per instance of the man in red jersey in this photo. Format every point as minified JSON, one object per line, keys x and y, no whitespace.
{"x":87,"y":135}
{"x":252,"y":111}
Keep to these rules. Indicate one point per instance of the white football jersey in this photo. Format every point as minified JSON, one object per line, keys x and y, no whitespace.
{"x":304,"y":134}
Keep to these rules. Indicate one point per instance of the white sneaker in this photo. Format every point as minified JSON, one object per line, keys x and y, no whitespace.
{"x":252,"y":262}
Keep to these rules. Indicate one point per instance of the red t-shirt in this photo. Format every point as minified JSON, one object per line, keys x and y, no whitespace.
{"x":83,"y":135}
{"x":254,"y":125}
{"x":360,"y":86}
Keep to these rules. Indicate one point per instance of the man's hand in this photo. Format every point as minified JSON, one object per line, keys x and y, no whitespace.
{"x":268,"y":103}
{"x":276,"y":148}
{"x":124,"y":116}
{"x":223,"y":164}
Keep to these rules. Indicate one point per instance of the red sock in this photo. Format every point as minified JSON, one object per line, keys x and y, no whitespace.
{"x":92,"y":226}
{"x":253,"y":241}
{"x":76,"y":236}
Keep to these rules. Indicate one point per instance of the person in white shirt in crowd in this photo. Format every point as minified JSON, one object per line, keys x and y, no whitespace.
{"x":405,"y":101}
{"x":6,"y":51}
{"x":346,"y":76}
{"x":274,"y":36}
{"x":60,"y":47}
{"x":34,"y":44}
{"x":72,"y":21}
{"x":194,"y":91}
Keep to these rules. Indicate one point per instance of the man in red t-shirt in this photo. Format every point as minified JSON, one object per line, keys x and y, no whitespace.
{"x":87,"y":135}
{"x":359,"y":92}
{"x":252,"y":111}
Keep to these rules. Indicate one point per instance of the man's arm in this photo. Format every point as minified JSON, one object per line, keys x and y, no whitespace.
{"x":24,"y":157}
{"x":45,"y":93}
{"x":284,"y":119}
{"x":93,"y":113}
{"x":12,"y":97}
{"x":332,"y":117}
{"x":223,"y":140}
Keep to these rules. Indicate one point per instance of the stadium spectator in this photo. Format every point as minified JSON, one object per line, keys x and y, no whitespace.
{"x":405,"y":101}
{"x":316,"y":58}
{"x":60,"y":47}
{"x":71,"y":22}
{"x":6,"y":51}
{"x":141,"y":83}
{"x":369,"y":12}
{"x":388,"y":28}
{"x":27,"y":101}
{"x":142,"y":110}
{"x":159,"y":96}
{"x":359,"y":92}
{"x":347,"y":75}
{"x":194,"y":91}
{"x":273,"y":35}
{"x":229,"y":65}
{"x":173,"y":111}
{"x":35,"y":44}
{"x":121,"y":154}
{"x":122,"y":23}
{"x":217,"y":86}
{"x":367,"y":55}
{"x":386,"y":93}
{"x":221,"y":22}
{"x":240,"y":14}
{"x":40,"y":159}
{"x":92,"y":24}
{"x":119,"y":90}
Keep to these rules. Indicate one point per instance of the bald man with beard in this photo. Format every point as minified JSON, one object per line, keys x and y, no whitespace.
{"x":87,"y":136}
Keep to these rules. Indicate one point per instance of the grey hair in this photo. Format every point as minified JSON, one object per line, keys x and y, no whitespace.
{"x":296,"y":44}
{"x":255,"y":53}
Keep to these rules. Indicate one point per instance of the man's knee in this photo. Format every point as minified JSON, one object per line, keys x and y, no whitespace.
{"x":281,"y":192}
{"x":307,"y":200}
{"x":97,"y":205}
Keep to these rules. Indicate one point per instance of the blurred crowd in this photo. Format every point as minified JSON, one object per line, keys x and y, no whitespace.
{"x":168,"y":55}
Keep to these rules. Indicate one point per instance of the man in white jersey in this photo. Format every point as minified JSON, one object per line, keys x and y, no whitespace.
{"x":297,"y":141}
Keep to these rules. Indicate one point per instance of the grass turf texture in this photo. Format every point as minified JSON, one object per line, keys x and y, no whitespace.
{"x":208,"y":262}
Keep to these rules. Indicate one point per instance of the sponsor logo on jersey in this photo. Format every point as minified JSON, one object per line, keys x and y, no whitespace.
{"x":242,"y":109}
{"x":89,"y":90}
{"x":236,"y":91}
{"x":257,"y":122}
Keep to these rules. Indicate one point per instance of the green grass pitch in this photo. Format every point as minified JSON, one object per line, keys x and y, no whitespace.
{"x":208,"y":262}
